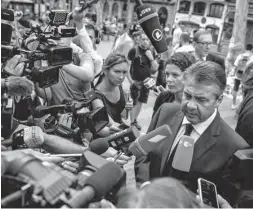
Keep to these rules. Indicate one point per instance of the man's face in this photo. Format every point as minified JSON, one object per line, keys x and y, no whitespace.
{"x":144,"y":41}
{"x":199,"y":100}
{"x":202,"y":46}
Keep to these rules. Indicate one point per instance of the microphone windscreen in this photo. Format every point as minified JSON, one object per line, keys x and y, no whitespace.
{"x":147,"y":143}
{"x":7,"y":14}
{"x":99,"y":146}
{"x":25,"y":22}
{"x":19,"y":86}
{"x":104,"y":179}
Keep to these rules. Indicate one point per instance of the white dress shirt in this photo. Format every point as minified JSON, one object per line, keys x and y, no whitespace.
{"x":197,"y":131}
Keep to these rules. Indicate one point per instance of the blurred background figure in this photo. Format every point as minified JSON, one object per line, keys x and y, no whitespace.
{"x":161,"y":193}
{"x":245,"y":112}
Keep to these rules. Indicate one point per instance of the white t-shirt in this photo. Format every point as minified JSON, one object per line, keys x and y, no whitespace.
{"x":186,"y":48}
{"x":176,"y":36}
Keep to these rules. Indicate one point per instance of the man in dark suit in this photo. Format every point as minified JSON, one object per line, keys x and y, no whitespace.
{"x":202,"y":41}
{"x":198,"y":117}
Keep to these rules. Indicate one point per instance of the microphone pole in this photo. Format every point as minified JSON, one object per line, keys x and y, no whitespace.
{"x":84,"y":7}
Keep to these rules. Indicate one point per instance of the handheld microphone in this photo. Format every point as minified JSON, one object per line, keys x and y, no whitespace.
{"x":28,"y":23}
{"x":122,"y":139}
{"x":147,"y":143}
{"x":7,"y":14}
{"x":17,"y":86}
{"x":97,"y":185}
{"x":125,"y":113}
{"x":98,"y":147}
{"x":149,"y":83}
{"x":148,"y":19}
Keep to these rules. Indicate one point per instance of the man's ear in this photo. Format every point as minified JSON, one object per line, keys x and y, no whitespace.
{"x":219,"y":100}
{"x":105,"y":71}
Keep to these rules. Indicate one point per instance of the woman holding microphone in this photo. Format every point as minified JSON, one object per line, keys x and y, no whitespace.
{"x":109,"y":90}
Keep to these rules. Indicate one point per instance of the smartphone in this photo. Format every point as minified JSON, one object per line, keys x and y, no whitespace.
{"x":208,"y":193}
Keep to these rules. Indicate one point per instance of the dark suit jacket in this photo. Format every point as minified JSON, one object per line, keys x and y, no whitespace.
{"x":212,"y":151}
{"x":216,"y":58}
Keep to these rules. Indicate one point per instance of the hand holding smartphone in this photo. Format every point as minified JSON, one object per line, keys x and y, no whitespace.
{"x":208,"y":193}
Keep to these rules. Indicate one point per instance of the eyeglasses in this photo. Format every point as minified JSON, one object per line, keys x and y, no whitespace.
{"x":205,"y":43}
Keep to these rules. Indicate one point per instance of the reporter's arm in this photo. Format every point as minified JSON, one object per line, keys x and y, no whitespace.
{"x":59,"y":145}
{"x":154,"y":65}
{"x":85,"y":71}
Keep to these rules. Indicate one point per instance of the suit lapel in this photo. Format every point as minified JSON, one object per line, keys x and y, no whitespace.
{"x":174,"y":124}
{"x":207,"y":140}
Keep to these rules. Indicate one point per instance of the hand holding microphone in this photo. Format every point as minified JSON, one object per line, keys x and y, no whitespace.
{"x":33,"y":137}
{"x":17,"y":86}
{"x":115,"y":156}
{"x":14,"y":66}
{"x":149,"y":55}
{"x":149,"y":83}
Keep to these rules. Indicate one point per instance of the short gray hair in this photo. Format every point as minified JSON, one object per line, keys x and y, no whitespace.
{"x":207,"y":72}
{"x":199,"y":33}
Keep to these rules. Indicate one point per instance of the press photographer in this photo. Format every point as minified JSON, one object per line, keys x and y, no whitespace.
{"x":74,"y":78}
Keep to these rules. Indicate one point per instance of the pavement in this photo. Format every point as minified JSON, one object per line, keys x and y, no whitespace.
{"x":144,"y":118}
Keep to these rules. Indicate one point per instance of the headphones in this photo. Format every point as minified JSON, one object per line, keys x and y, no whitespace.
{"x":97,"y":33}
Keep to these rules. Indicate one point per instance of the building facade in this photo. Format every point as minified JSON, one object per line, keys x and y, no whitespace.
{"x":195,"y":14}
{"x":229,"y":22}
{"x":215,"y":15}
{"x":125,"y":9}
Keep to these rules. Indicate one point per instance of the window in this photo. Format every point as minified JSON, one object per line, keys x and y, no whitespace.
{"x":216,"y":10}
{"x":184,"y":7}
{"x":199,"y":8}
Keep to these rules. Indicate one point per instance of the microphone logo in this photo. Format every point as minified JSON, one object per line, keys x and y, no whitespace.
{"x":156,"y":138}
{"x":157,"y":35}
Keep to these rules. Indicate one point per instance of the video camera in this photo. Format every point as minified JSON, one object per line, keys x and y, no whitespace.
{"x":70,"y":120}
{"x":39,"y":45}
{"x":30,"y":182}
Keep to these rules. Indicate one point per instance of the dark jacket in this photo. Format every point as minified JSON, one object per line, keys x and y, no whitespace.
{"x":216,"y":58}
{"x":212,"y":152}
{"x":244,"y":125}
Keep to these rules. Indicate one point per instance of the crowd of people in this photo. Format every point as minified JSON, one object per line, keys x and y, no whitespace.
{"x":189,"y":81}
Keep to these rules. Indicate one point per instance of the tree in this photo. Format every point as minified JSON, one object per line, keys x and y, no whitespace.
{"x":237,"y":42}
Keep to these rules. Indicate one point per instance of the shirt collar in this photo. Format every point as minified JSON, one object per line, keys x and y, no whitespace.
{"x":201,"y":127}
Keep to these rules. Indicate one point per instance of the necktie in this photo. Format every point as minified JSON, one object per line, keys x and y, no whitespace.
{"x":168,"y":167}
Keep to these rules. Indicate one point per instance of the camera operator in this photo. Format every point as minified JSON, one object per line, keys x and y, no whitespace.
{"x":74,"y":78}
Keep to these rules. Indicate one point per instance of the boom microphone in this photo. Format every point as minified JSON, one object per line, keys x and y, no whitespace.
{"x":147,"y":143}
{"x":148,"y":19}
{"x":28,"y":23}
{"x":17,"y":86}
{"x":97,"y":185}
{"x":7,"y":14}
